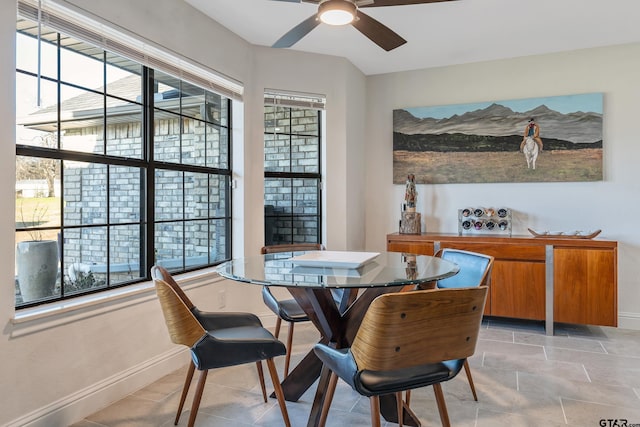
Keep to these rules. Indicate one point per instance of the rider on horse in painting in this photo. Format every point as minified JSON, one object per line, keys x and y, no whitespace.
{"x":532,"y":131}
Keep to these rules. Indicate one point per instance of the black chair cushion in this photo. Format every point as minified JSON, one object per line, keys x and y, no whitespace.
{"x":234,"y":346}
{"x":213,"y":321}
{"x":288,"y":310}
{"x":369,"y":383}
{"x":291,"y":311}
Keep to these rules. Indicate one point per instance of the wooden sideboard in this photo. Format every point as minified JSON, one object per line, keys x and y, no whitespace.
{"x":551,"y":279}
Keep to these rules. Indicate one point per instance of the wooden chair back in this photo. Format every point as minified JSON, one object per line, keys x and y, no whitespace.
{"x":183,"y":327}
{"x":475,"y":268}
{"x":402,"y":330}
{"x":295,"y":247}
{"x":158,"y":272}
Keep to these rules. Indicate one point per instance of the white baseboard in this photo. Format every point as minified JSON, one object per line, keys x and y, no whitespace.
{"x":74,"y":407}
{"x":628,"y":320}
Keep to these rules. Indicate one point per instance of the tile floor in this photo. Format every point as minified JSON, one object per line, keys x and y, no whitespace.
{"x":577,"y":377}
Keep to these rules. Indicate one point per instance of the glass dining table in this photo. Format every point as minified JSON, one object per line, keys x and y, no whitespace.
{"x":335,"y":298}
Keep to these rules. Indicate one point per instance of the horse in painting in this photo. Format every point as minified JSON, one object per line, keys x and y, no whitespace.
{"x":530,"y":151}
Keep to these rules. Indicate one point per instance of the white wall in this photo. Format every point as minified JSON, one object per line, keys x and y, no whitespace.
{"x":343,"y":85}
{"x":610,"y":205}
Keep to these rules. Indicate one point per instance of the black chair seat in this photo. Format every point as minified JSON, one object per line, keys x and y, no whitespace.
{"x":290,"y":311}
{"x":211,"y":321}
{"x":233,"y":346}
{"x":372,"y":383}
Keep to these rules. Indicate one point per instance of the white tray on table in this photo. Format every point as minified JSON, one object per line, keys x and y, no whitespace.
{"x":334,"y":259}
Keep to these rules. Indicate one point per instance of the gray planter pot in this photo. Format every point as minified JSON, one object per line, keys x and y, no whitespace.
{"x":37,"y":268}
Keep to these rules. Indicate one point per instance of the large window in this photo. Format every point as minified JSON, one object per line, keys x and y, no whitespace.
{"x":119,"y":166}
{"x":292,"y":179}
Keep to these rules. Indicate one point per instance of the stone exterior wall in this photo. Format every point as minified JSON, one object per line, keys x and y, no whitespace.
{"x":85,"y":196}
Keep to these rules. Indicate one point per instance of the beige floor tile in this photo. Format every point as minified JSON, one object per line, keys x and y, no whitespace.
{"x":624,"y":347}
{"x":242,"y":377}
{"x":603,"y":369}
{"x":133,"y":411}
{"x":164,"y":387}
{"x":87,"y":423}
{"x":571,"y":343}
{"x":488,"y":381}
{"x":488,"y":418}
{"x":496,"y":334}
{"x":208,"y":420}
{"x":522,"y":376}
{"x":534,"y":405}
{"x":590,"y":413}
{"x":513,"y":349}
{"x":578,"y":390}
{"x":233,"y":403}
{"x":345,"y":398}
{"x":351,"y":419}
{"x":461,"y":412}
{"x":591,"y":358}
{"x":298,"y":415}
{"x":615,"y":375}
{"x":568,"y":370}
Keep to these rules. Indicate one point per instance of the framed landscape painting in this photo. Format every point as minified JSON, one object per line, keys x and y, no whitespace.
{"x":549,"y":139}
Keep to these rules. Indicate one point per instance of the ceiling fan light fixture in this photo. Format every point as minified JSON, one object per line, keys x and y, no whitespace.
{"x":337,"y":12}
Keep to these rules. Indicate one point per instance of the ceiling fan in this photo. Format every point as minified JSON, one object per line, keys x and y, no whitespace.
{"x":343,"y":12}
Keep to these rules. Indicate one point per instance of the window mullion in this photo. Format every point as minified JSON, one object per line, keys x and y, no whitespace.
{"x":148,"y":250}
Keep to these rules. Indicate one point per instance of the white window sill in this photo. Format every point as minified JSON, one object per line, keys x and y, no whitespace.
{"x":30,"y":320}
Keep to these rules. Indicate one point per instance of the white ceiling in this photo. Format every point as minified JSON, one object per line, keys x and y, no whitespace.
{"x":440,"y":34}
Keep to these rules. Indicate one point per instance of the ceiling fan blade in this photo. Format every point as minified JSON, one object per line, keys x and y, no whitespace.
{"x":378,"y":33}
{"x":300,"y":1}
{"x":379,"y":3}
{"x":298,"y":32}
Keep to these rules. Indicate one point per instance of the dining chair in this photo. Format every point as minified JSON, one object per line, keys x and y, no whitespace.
{"x":215,"y":323}
{"x":287,"y":309}
{"x":475,"y":270}
{"x":407,"y":340}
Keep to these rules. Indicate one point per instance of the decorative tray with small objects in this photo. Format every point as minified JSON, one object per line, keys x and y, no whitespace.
{"x":565,"y":235}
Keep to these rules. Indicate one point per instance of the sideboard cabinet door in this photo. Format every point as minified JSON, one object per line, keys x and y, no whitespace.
{"x":585,"y":290}
{"x":518,"y":289}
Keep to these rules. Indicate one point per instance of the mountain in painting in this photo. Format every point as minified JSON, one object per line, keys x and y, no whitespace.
{"x":498,"y":120}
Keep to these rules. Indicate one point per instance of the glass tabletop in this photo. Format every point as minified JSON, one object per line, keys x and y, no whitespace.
{"x":386,"y":269}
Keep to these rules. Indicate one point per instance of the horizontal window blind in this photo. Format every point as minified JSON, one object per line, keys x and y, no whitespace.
{"x":294,"y":99}
{"x":86,"y":29}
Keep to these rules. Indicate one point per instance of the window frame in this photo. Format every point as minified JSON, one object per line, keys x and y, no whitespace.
{"x":317,"y":176}
{"x":147,"y":166}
